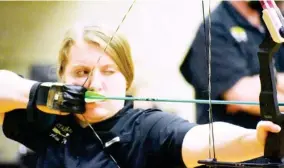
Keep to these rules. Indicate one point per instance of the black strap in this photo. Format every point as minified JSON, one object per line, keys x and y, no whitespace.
{"x":42,"y":95}
{"x":31,"y":107}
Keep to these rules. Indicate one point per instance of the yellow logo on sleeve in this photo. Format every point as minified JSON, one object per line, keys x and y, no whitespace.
{"x":60,"y":133}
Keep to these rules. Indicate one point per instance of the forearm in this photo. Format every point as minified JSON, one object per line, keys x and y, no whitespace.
{"x":255,"y":110}
{"x":242,"y":91}
{"x":232,"y":143}
{"x":280,"y":82}
{"x":14,"y":92}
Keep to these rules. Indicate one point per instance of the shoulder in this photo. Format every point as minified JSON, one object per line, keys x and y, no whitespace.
{"x":221,"y":20}
{"x":158,"y":133}
{"x":154,"y":119}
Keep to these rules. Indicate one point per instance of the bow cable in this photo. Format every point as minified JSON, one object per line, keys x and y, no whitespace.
{"x":208,"y":52}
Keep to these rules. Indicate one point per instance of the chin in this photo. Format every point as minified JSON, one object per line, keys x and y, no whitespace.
{"x":95,"y":115}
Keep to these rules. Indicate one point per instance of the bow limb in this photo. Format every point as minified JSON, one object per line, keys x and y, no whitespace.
{"x":273,"y":20}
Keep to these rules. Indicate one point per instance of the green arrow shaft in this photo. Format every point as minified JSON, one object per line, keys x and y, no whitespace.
{"x":198,"y":101}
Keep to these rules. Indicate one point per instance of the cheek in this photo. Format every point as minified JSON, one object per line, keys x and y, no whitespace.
{"x":69,"y":79}
{"x":117,"y":89}
{"x":116,"y":86}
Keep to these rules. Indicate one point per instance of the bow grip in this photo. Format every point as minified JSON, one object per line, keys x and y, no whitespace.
{"x":269,"y":110}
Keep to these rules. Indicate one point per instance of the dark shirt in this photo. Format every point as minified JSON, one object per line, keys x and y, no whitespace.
{"x":234,"y":47}
{"x":133,"y":137}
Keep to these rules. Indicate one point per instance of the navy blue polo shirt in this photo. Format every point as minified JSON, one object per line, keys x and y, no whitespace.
{"x":234,"y":46}
{"x":133,"y":137}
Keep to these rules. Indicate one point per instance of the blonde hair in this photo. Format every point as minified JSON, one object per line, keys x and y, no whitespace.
{"x":116,"y":47}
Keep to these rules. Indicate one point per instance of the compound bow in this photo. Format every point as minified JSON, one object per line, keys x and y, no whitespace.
{"x":274,"y":147}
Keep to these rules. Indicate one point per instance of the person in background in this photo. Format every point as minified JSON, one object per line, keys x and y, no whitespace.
{"x":237,"y":30}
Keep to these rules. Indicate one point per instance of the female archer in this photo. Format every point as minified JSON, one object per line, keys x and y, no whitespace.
{"x":67,"y":130}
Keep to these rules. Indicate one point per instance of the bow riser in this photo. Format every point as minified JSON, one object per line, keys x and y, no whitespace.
{"x":269,"y":110}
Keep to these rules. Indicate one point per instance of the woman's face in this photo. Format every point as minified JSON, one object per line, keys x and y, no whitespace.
{"x":106,"y":79}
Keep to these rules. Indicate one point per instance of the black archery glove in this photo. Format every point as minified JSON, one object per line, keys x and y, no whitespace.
{"x":56,"y":96}
{"x":73,"y":99}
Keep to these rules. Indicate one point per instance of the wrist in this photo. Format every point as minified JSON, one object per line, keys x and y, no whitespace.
{"x":21,"y":96}
{"x":25,"y":90}
{"x":252,"y":143}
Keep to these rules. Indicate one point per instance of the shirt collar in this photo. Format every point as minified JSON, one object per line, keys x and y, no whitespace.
{"x":240,"y":19}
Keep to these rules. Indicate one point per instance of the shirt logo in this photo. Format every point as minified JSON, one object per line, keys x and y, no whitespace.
{"x":60,"y":133}
{"x":239,"y":34}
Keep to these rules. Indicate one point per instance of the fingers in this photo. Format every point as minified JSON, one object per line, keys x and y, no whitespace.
{"x":263,"y":128}
{"x":73,"y":99}
{"x":268,"y":126}
{"x":51,"y":111}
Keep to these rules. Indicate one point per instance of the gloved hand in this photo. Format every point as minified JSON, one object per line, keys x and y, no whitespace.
{"x":71,"y":99}
{"x":56,"y":97}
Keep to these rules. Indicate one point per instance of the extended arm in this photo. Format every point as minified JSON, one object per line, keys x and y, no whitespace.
{"x":232,"y":143}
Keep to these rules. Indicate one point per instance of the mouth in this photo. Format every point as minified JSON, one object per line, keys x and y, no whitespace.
{"x":93,"y":97}
{"x":93,"y":105}
{"x":93,"y":101}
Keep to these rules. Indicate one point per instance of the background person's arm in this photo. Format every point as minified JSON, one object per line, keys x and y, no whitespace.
{"x":280,"y":82}
{"x":228,"y":64}
{"x":248,"y":89}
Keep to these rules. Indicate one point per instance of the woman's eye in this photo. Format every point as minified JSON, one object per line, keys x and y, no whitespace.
{"x":82,"y":73}
{"x":109,"y":72}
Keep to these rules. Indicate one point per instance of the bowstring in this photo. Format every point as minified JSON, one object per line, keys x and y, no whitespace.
{"x":208,"y":52}
{"x":91,"y":72}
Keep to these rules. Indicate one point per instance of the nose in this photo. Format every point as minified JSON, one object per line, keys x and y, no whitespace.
{"x":95,"y":81}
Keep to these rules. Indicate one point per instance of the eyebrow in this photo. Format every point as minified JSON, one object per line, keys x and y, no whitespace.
{"x":111,"y":65}
{"x":79,"y":65}
{"x":108,"y":65}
